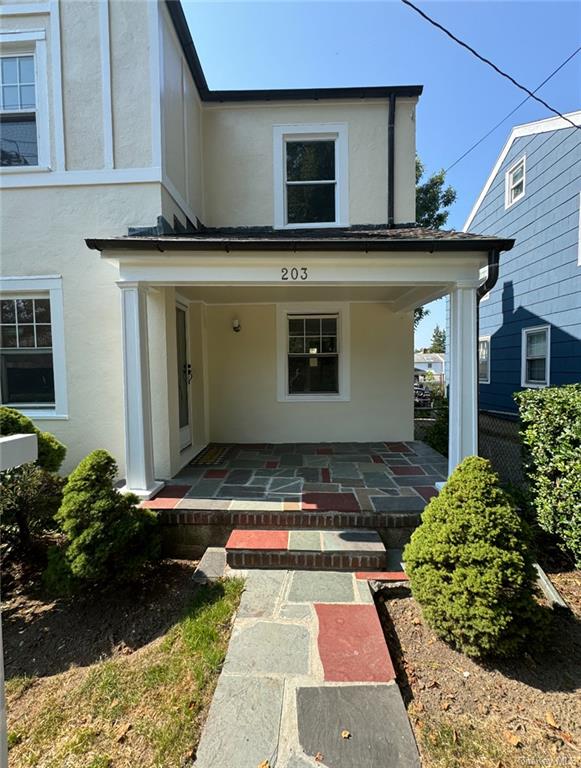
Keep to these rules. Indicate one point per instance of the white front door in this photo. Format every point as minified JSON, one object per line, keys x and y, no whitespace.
{"x":184,"y":376}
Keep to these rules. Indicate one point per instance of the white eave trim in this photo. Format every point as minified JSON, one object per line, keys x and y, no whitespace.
{"x":528,"y":129}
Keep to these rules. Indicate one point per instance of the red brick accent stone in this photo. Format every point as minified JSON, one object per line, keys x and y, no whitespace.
{"x":408,"y":470}
{"x":351,"y":644}
{"x":398,"y":448}
{"x":271,"y":465}
{"x":426,"y":491}
{"x":216,"y":473}
{"x":330,"y":502}
{"x":381,"y":576}
{"x":325,"y":475}
{"x":325,"y":451}
{"x":168,"y":497}
{"x":377,"y":460}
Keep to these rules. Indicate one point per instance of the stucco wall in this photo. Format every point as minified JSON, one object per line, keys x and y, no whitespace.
{"x":242,"y":380}
{"x":238,"y":159}
{"x":43,"y":233}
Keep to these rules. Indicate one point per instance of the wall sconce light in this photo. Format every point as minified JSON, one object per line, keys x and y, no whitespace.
{"x":236,"y":325}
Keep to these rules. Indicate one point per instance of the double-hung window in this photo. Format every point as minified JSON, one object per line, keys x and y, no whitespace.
{"x":536,"y":343}
{"x":313,"y":354}
{"x":484,"y":359}
{"x":18,"y":117}
{"x":310,"y":176}
{"x":32,"y":355}
{"x":515,"y":183}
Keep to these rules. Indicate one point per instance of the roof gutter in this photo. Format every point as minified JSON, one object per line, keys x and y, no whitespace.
{"x":492,"y":277}
{"x":391,"y":161}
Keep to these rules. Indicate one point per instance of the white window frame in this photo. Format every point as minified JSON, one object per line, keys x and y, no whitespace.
{"x":32,"y":43}
{"x":337,"y":132}
{"x":509,"y":185}
{"x":535,"y":384}
{"x":344,"y":345}
{"x":487,"y":379}
{"x":51,"y":286}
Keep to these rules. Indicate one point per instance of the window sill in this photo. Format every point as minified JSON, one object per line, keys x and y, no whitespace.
{"x":314,"y":399}
{"x":41,"y":414}
{"x":514,"y":202}
{"x":11,"y":170}
{"x":531,"y":385}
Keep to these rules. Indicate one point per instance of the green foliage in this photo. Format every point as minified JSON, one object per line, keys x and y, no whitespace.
{"x":108,"y":535}
{"x":438,"y":343}
{"x":551,"y":433}
{"x":57,"y":577}
{"x":436,"y":436}
{"x":51,"y":453}
{"x":471,"y":567}
{"x":419,"y":314}
{"x":432,"y":198}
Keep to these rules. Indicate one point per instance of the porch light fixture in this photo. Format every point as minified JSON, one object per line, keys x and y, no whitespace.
{"x":236,"y":325}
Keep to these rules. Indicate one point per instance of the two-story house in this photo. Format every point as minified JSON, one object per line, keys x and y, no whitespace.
{"x":253,"y":261}
{"x":530,"y":323}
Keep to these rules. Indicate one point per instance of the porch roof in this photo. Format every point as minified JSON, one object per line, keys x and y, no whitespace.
{"x":405,"y":238}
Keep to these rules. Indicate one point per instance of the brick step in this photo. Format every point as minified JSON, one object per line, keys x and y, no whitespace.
{"x":333,"y":550}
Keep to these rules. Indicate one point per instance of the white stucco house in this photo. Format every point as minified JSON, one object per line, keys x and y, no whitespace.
{"x":183,"y":266}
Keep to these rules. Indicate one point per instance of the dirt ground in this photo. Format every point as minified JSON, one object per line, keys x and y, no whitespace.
{"x":44,"y":637}
{"x":526,"y":712}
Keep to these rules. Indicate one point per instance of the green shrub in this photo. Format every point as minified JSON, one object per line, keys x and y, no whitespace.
{"x":108,"y":535}
{"x":436,"y":436}
{"x":31,"y":494}
{"x":471,"y":567}
{"x":551,"y":434}
{"x":51,"y":453}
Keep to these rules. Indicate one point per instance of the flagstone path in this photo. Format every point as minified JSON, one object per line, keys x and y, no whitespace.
{"x":307,"y":675}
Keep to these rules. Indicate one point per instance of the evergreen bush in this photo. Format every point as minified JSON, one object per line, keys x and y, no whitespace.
{"x":108,"y":535}
{"x":51,"y":452}
{"x":471,"y":566}
{"x":436,"y":436}
{"x":551,"y":434}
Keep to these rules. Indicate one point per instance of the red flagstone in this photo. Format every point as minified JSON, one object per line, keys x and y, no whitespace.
{"x":249,"y":539}
{"x":330,"y":502}
{"x":216,"y":473}
{"x":324,"y":451}
{"x":381,"y":576}
{"x":271,"y":465}
{"x":426,"y":491}
{"x":398,"y":448}
{"x":377,"y":460}
{"x":351,"y":644}
{"x":325,"y":475}
{"x":168,"y":497}
{"x":410,"y":470}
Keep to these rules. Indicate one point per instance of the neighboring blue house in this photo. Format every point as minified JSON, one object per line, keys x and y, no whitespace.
{"x":530,"y":323}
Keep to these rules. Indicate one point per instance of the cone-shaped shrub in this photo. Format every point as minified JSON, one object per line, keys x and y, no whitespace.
{"x":108,"y":535}
{"x":471,"y":567}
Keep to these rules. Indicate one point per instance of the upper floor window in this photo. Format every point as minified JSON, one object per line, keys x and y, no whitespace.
{"x":536,"y":344}
{"x":18,"y":131}
{"x":515,"y":183}
{"x":310,"y":175}
{"x":484,"y":360}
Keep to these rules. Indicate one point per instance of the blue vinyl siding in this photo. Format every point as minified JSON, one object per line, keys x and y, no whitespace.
{"x":540,"y":279}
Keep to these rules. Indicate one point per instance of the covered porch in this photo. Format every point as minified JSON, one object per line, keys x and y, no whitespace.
{"x":220,"y":346}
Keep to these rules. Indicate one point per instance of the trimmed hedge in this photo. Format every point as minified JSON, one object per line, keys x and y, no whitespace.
{"x":551,"y":434}
{"x":109,"y":537}
{"x":51,"y":452}
{"x":470,"y":565}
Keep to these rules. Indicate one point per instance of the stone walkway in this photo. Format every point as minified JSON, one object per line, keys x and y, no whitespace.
{"x":307,"y":680}
{"x":338,"y":477}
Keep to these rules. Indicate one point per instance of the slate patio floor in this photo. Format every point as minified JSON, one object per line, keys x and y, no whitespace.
{"x":338,"y":477}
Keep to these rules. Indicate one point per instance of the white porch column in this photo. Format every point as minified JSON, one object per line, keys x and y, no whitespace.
{"x":463,"y":394}
{"x":137,"y":391}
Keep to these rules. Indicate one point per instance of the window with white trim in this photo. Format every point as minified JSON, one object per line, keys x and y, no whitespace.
{"x":484,"y":359}
{"x":18,"y":121}
{"x":32,"y":362}
{"x":313,"y":352}
{"x":515,"y":183}
{"x":310,"y":176}
{"x":536,"y":343}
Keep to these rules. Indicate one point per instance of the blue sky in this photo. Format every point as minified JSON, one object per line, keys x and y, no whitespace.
{"x":325,"y":44}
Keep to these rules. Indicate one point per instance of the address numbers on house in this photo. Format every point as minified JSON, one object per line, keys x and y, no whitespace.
{"x":294,"y":273}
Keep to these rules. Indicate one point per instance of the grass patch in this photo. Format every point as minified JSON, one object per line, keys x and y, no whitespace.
{"x":143,"y":709}
{"x":16,"y":686}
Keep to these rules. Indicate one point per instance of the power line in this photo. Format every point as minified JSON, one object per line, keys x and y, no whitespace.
{"x":504,"y":119}
{"x":487,"y":61}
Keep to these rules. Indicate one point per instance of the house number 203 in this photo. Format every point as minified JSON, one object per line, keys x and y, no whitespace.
{"x":294,"y":273}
